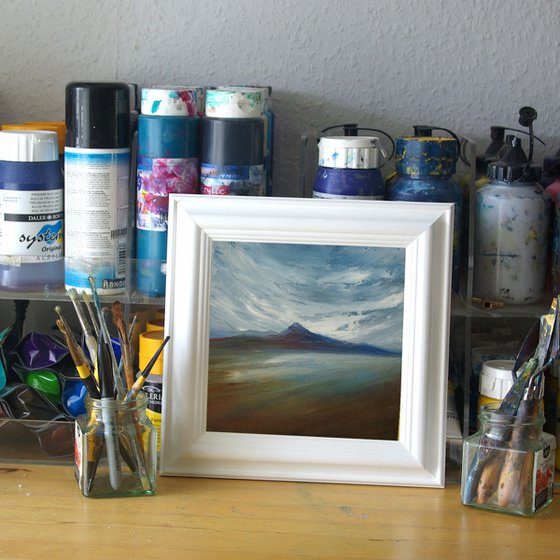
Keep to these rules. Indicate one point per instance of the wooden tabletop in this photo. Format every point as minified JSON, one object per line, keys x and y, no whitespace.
{"x":43,"y":515}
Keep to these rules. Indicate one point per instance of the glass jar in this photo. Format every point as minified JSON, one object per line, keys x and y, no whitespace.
{"x":508,"y":465}
{"x":115,"y":448}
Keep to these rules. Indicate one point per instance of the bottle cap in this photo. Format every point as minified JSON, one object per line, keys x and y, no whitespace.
{"x":349,"y":152}
{"x":28,"y":145}
{"x":172,"y":101}
{"x":97,"y":115}
{"x":496,"y":378}
{"x":234,"y":102}
{"x":148,"y":343}
{"x":512,"y":165}
{"x":155,"y":324}
{"x":55,"y":126}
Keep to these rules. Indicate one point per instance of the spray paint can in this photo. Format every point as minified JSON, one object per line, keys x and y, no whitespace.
{"x":97,"y":170}
{"x":511,"y":229}
{"x":31,"y":211}
{"x":232,"y":148}
{"x":425,"y":166}
{"x":349,"y":165}
{"x":168,"y":162}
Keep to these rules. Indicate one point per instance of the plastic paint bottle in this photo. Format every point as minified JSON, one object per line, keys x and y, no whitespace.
{"x":425,"y":166}
{"x":232,"y":151}
{"x":149,"y":342}
{"x":511,"y":232}
{"x":31,"y":211}
{"x":97,"y":170}
{"x":268,"y":120}
{"x":168,"y":162}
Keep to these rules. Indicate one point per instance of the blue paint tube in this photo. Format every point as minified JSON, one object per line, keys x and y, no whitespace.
{"x":168,"y":147}
{"x":31,"y":203}
{"x":97,"y":171}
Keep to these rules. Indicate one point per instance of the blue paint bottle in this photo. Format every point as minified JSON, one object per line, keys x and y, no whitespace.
{"x":168,"y":162}
{"x":31,"y":211}
{"x":425,"y":166}
{"x":349,"y":166}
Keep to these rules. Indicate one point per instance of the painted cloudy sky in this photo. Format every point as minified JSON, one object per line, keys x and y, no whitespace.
{"x":349,"y":293}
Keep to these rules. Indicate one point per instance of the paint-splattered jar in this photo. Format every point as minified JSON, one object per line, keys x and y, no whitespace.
{"x":511,"y":233}
{"x":425,"y":166}
{"x":349,"y":168}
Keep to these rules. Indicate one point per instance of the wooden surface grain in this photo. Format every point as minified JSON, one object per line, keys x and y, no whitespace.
{"x":44,"y":515}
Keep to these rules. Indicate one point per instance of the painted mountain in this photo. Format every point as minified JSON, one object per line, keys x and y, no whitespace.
{"x":297,"y":337}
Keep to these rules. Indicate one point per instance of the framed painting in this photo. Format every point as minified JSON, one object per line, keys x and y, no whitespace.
{"x":309,"y":340}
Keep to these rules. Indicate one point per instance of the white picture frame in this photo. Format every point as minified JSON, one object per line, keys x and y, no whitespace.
{"x":424,"y":230}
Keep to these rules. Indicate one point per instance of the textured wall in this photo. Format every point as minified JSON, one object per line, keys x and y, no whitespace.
{"x":460,"y":64}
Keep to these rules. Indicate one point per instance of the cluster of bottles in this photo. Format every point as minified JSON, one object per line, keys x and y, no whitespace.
{"x":425,"y":165}
{"x":512,"y":206}
{"x":67,"y":191}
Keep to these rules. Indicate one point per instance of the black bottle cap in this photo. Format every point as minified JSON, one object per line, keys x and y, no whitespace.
{"x":97,"y":115}
{"x":513,"y":165}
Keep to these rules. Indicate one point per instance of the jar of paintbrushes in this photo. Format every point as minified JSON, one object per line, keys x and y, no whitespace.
{"x":115,"y":442}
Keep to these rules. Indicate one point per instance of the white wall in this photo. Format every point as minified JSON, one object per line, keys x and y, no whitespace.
{"x":462,"y":64}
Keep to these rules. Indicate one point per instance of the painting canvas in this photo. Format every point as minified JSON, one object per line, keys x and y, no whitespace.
{"x":305,"y":340}
{"x":309,"y":339}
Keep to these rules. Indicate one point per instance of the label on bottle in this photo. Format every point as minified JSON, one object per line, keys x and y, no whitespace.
{"x":96,"y":217}
{"x":154,"y":390}
{"x":237,"y":180}
{"x":31,"y":224}
{"x":543,"y":473}
{"x":156,"y":179}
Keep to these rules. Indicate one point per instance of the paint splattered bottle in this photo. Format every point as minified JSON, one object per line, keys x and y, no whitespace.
{"x":350,"y":165}
{"x":232,"y":143}
{"x":511,"y":231}
{"x":97,"y":171}
{"x":168,"y":162}
{"x":31,"y":211}
{"x":425,"y":166}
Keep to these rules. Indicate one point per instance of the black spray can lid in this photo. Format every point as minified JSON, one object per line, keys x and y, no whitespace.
{"x":97,"y":115}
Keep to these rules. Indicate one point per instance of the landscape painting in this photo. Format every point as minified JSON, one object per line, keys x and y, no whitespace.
{"x":305,"y":340}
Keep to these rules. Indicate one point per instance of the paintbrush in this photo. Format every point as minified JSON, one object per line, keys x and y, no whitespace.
{"x":118,"y":321}
{"x":91,"y":341}
{"x":146,"y":371}
{"x":82,"y":366}
{"x":104,"y":335}
{"x":92,"y":316}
